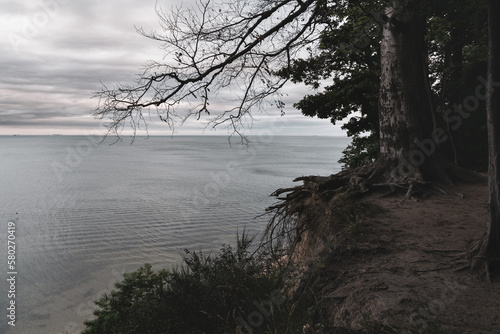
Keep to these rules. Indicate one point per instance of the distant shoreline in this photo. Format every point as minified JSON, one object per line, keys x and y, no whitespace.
{"x":176,"y":135}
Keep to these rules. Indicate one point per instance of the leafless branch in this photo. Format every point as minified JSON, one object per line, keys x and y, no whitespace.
{"x":227,"y":49}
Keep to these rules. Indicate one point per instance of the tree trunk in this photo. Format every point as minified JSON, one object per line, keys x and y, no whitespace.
{"x":490,"y":251}
{"x":407,"y":145}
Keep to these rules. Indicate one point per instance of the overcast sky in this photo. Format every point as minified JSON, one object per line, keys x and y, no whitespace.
{"x":55,"y":53}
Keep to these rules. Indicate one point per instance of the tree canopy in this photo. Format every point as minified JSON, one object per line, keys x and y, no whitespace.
{"x":349,"y":58}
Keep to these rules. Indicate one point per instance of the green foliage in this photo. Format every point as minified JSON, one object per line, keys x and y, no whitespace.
{"x":361,"y":151}
{"x":345,"y":74}
{"x":207,"y":294}
{"x":349,"y":55}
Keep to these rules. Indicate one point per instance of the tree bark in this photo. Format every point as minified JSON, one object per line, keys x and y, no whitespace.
{"x":491,"y":248}
{"x":405,"y":110}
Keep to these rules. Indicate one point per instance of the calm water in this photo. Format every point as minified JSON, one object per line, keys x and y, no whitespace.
{"x":87,"y":213}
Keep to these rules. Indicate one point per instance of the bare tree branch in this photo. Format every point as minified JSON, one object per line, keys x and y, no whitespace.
{"x":219,"y":47}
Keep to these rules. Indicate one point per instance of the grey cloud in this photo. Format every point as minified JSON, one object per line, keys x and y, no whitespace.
{"x":50,"y":71}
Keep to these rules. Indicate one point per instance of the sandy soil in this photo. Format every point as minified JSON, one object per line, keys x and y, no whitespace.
{"x":408,"y":266}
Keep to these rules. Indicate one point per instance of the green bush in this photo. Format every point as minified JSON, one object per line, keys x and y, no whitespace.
{"x":233,"y":292}
{"x":362,"y":151}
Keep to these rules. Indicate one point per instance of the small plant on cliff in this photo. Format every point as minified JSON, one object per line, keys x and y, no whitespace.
{"x":234,"y":291}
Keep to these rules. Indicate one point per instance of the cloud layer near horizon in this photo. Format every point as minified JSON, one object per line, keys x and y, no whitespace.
{"x":56,"y":52}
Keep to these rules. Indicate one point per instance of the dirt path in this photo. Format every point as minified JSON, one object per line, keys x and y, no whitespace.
{"x":405,"y":268}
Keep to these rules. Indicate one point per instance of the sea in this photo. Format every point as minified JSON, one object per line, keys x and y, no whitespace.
{"x":77,"y":212}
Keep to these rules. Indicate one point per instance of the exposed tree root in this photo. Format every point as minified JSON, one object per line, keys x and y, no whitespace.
{"x":311,"y":217}
{"x":314,"y":213}
{"x":316,"y":205}
{"x":340,"y":230}
{"x":465,"y":175}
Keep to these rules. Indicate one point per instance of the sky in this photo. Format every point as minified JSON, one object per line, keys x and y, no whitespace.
{"x":56,"y":53}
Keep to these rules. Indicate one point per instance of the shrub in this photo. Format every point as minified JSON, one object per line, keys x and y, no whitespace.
{"x":233,"y":292}
{"x":362,"y":151}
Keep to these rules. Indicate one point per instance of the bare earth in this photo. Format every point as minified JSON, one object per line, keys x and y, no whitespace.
{"x":408,"y":266}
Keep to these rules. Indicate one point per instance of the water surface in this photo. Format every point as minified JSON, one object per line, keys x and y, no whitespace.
{"x":86,"y":213}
